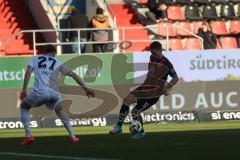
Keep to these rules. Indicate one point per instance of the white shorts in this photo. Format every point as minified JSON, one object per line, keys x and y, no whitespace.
{"x":48,"y":97}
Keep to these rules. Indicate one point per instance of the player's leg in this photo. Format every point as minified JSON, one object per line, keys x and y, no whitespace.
{"x":25,"y":117}
{"x":53,"y":102}
{"x":65,"y":120}
{"x":142,"y":105}
{"x":124,"y":111}
{"x":30,"y":101}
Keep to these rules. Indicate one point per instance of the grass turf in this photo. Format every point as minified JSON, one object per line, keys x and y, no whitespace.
{"x":198,"y":141}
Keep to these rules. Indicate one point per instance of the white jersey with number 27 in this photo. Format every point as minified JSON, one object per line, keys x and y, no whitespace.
{"x":46,"y":70}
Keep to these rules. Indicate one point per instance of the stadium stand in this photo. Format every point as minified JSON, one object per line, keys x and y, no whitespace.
{"x":228,"y":42}
{"x":196,"y":25}
{"x":219,"y":28}
{"x":15,"y":16}
{"x":201,"y":1}
{"x":227,"y":11}
{"x":193,"y":44}
{"x":209,"y":12}
{"x":222,"y":15}
{"x":219,"y":1}
{"x":192,"y":12}
{"x":130,"y":20}
{"x":185,"y":25}
{"x":235,"y":27}
{"x":162,"y":30}
{"x":183,"y":1}
{"x":175,"y":13}
{"x":175,"y":44}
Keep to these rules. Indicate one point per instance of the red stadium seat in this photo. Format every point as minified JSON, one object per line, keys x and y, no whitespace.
{"x":228,"y":42}
{"x":175,"y":44}
{"x":162,"y":30}
{"x":219,"y":28}
{"x":193,"y":44}
{"x":185,"y":25}
{"x":235,"y":26}
{"x":143,"y":1}
{"x":197,"y":25}
{"x":175,"y":13}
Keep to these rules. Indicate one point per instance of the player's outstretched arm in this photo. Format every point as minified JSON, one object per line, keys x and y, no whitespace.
{"x":27,"y":77}
{"x":89,"y":92}
{"x":174,"y":80}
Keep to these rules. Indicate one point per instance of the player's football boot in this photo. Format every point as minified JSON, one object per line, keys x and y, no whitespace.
{"x":75,"y":140}
{"x":28,"y":140}
{"x":138,"y":135}
{"x":116,"y":130}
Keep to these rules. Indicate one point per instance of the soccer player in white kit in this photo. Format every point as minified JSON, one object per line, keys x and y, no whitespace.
{"x":46,"y":69}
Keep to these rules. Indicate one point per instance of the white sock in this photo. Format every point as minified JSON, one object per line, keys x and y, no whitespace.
{"x":64,"y":117}
{"x":25,"y":117}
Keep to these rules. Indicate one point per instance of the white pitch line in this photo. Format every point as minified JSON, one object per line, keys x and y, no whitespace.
{"x":47,"y":156}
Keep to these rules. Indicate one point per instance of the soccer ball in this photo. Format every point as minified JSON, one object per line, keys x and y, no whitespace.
{"x":135,"y":126}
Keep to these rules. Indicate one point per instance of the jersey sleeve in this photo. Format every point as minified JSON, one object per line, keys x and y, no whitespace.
{"x":30,"y":63}
{"x":63,"y":69}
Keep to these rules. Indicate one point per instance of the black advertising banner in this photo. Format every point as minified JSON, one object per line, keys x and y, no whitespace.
{"x":101,"y":121}
{"x":15,"y":123}
{"x":52,"y":122}
{"x":219,"y":116}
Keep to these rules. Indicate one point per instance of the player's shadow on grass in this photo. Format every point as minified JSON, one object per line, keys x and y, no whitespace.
{"x":204,"y":144}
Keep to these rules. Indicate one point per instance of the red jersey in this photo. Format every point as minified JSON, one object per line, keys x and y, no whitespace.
{"x":158,"y":71}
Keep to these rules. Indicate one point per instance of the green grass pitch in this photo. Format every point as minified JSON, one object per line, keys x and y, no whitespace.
{"x":195,"y":141}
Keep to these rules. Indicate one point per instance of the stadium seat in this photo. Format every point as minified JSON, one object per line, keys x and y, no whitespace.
{"x":235,"y":1}
{"x":162,"y":30}
{"x":175,"y":13}
{"x":185,"y":25}
{"x":228,"y":42}
{"x":170,"y":2}
{"x":201,"y":1}
{"x":219,"y":27}
{"x":227,"y":11}
{"x":196,"y":26}
{"x":175,"y":44}
{"x":235,"y":27}
{"x":193,"y":44}
{"x":183,"y":1}
{"x":209,"y":12}
{"x":219,"y":1}
{"x":192,"y":12}
{"x":238,"y":9}
{"x":143,"y":1}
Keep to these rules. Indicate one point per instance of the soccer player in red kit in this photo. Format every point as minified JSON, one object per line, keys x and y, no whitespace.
{"x":148,"y":93}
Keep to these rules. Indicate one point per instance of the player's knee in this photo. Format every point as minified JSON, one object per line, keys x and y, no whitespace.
{"x":25,"y":105}
{"x":130,"y":99}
